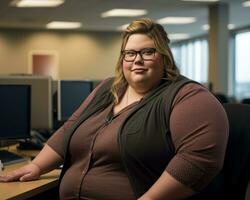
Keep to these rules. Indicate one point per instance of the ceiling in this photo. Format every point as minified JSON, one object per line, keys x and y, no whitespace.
{"x":88,"y":12}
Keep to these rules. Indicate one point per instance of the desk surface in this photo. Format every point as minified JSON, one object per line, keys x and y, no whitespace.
{"x":24,"y":190}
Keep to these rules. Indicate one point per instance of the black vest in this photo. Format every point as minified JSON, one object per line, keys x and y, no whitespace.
{"x":144,"y":138}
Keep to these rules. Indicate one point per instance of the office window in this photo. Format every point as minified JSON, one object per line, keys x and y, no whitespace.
{"x":192,"y":59}
{"x":242,"y":65}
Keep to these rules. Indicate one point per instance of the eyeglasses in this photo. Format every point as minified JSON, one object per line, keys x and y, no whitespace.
{"x":146,"y":54}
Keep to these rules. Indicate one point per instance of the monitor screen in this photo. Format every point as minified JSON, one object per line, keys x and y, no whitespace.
{"x":71,"y":93}
{"x":15,"y":103}
{"x":41,"y":98}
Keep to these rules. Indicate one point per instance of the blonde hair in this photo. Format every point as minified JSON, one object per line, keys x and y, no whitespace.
{"x":157,"y":33}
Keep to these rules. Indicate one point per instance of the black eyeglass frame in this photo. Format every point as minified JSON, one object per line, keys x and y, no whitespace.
{"x":138,"y":52}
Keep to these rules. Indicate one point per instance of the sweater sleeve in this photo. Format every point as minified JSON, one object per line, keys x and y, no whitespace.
{"x":199,"y":130}
{"x":56,"y":141}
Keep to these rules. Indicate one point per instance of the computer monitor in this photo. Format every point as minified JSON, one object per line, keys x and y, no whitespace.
{"x":71,"y":93}
{"x":41,"y":98}
{"x":15,"y":104}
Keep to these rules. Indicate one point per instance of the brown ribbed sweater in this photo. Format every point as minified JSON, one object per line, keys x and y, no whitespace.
{"x":96,"y":171}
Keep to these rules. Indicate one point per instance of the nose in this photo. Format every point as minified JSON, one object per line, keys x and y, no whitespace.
{"x":138,"y":57}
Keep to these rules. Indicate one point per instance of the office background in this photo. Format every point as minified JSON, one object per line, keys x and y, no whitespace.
{"x":208,"y":48}
{"x":82,"y":55}
{"x":91,"y":51}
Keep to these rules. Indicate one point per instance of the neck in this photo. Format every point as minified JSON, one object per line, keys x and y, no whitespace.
{"x":128,"y":98}
{"x":132,"y":95}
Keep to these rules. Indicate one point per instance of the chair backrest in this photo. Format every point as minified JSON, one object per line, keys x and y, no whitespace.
{"x":245,"y":101}
{"x":237,"y":160}
{"x":231,"y":183}
{"x":222,"y":97}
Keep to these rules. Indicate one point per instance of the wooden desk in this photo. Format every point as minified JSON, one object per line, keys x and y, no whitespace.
{"x":26,"y":190}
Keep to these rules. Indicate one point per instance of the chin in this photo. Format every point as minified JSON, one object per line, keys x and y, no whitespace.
{"x":140,"y":79}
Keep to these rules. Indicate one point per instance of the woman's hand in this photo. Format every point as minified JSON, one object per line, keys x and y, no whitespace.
{"x":44,"y":162}
{"x":27,"y":173}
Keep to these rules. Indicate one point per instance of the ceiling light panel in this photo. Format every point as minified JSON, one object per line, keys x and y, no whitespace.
{"x":178,"y":36}
{"x":177,"y":20}
{"x":37,"y":3}
{"x":202,"y":0}
{"x":124,"y":13}
{"x":63,"y":25}
{"x":123,"y":27}
{"x":206,"y":27}
{"x":246,"y":4}
{"x":230,"y":26}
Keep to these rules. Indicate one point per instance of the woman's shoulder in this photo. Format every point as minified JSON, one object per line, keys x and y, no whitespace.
{"x":105,"y":83}
{"x":108,"y":80}
{"x":193,"y":90}
{"x":193,"y":87}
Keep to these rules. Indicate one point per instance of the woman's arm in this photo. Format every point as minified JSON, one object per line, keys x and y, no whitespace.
{"x":45,"y":161}
{"x":199,"y":131}
{"x":51,"y":156}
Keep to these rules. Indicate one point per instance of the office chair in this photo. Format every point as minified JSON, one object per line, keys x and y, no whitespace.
{"x":232,"y":182}
{"x":245,"y":101}
{"x":237,"y":160}
{"x":221,"y":97}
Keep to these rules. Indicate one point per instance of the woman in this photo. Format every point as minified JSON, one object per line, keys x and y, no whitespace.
{"x":147,"y":134}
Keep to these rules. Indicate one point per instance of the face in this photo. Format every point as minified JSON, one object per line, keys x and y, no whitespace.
{"x":143,"y":74}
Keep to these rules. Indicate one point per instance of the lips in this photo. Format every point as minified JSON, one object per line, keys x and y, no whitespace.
{"x":139,"y":70}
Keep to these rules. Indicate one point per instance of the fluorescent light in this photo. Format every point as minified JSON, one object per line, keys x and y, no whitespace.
{"x":177,"y":20}
{"x":123,"y":27}
{"x":124,"y":13}
{"x":63,"y":25}
{"x":202,"y":0}
{"x":230,"y":26}
{"x":206,"y":27}
{"x":37,"y":3}
{"x":246,"y":4}
{"x":178,"y":36}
